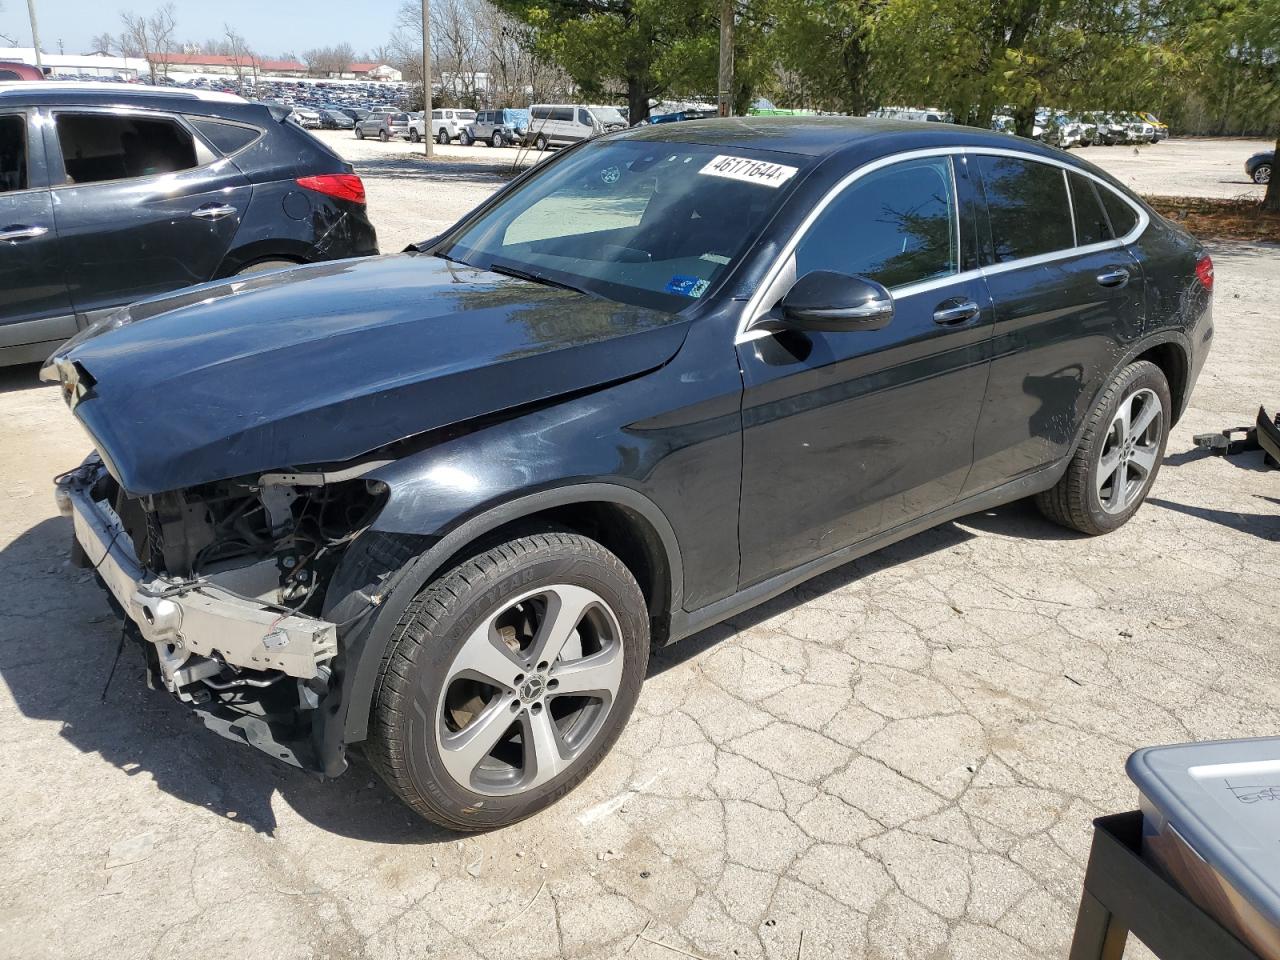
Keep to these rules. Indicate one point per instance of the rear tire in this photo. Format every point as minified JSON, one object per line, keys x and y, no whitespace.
{"x":542,"y":142}
{"x":262,"y":266}
{"x":414,"y":136}
{"x":1113,"y":468}
{"x":442,"y":137}
{"x":466,"y":726}
{"x":1262,"y":173}
{"x":496,"y":140}
{"x":383,"y":136}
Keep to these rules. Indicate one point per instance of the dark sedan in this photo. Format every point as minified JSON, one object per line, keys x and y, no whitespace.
{"x":110,"y":193}
{"x":1258,"y":167}
{"x":445,"y":503}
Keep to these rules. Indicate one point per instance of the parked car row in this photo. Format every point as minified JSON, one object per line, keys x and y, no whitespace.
{"x":1085,"y":128}
{"x":541,"y":126}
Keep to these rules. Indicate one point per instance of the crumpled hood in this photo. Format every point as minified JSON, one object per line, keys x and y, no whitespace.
{"x":321,"y":364}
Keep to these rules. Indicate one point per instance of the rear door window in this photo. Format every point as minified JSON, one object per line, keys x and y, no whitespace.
{"x":1027,"y":203}
{"x":1091,"y":221}
{"x":13,"y":152}
{"x":897,"y":226}
{"x":584,"y":118}
{"x":97,"y":147}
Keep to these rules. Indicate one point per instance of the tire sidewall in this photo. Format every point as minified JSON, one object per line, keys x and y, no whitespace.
{"x":1139,"y":376}
{"x":422,"y":760}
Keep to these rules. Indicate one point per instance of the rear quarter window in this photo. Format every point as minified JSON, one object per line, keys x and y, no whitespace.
{"x":227,"y":138}
{"x":1091,"y":221}
{"x":1123,"y":217}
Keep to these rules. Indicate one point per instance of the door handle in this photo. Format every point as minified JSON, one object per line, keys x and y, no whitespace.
{"x":19,"y":231}
{"x":214,"y":211}
{"x":1114,"y":277}
{"x":954,"y":312}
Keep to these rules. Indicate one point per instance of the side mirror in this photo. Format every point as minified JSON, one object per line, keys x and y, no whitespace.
{"x":833,"y":302}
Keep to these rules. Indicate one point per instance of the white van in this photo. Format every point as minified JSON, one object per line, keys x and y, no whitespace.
{"x":560,"y":124}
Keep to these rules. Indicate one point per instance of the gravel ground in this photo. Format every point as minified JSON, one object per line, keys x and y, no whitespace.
{"x":900,"y":759}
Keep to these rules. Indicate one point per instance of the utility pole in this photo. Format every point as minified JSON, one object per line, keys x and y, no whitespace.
{"x":427,"y":137}
{"x":726,"y":58}
{"x":35,"y":33}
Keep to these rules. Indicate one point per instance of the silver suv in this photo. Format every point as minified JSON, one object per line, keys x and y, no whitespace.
{"x":384,"y":126}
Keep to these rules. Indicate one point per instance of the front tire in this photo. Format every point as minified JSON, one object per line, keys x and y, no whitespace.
{"x":443,"y":137}
{"x":508,"y":679}
{"x":466,"y":139}
{"x":414,"y":136}
{"x":1113,"y":468}
{"x":359,"y":134}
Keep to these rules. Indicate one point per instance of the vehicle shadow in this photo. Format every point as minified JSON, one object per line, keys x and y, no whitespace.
{"x":146,"y":733}
{"x":1253,"y":460}
{"x":22,"y":377}
{"x":931,"y":541}
{"x":1262,"y":525}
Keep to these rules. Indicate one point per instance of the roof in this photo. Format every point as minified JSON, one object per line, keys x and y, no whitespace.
{"x":822,"y":136}
{"x":201,"y":59}
{"x":52,"y":89}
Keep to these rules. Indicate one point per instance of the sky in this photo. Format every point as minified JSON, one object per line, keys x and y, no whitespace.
{"x":271,"y":26}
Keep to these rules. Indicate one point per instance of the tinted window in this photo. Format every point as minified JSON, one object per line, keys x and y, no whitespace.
{"x":13,"y":152}
{"x":1028,"y":206}
{"x":229,"y":138}
{"x":562,"y":113}
{"x":1091,"y":222}
{"x":896,"y":226}
{"x":102,"y":146}
{"x":1123,"y":217}
{"x":437,"y":115}
{"x":9,"y":75}
{"x":584,"y":118}
{"x":540,"y":113}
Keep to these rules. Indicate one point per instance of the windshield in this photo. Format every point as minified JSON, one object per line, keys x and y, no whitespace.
{"x":608,"y":115}
{"x":645,"y":222}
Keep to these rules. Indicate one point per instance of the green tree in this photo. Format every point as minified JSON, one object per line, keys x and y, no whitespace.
{"x":650,"y":48}
{"x":824,"y":43}
{"x":1233,"y":52}
{"x":976,"y":58}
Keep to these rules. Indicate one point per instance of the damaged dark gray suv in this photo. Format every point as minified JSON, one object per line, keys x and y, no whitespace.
{"x":443,"y":504}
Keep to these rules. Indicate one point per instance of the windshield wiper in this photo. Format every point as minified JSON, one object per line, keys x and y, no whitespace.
{"x":532,"y":277}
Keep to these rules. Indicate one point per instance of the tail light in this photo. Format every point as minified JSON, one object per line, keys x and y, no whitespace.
{"x":344,"y":186}
{"x":1204,"y":271}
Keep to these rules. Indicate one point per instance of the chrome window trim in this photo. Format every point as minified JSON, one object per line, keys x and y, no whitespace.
{"x":755,"y":306}
{"x":212,"y":159}
{"x":1071,"y":209}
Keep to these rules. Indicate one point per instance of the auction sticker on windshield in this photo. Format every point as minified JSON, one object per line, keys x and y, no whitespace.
{"x":749,"y":171}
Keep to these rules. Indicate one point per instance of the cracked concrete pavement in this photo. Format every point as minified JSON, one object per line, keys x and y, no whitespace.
{"x":900,"y":759}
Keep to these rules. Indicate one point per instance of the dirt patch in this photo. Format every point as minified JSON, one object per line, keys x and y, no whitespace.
{"x":1208,"y":218}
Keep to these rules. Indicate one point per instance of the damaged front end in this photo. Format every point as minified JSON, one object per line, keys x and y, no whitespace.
{"x":223,"y":586}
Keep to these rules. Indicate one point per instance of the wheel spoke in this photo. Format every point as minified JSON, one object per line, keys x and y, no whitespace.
{"x":1150,"y":410}
{"x":463,"y":751}
{"x":1144,"y":458}
{"x":566,"y":606}
{"x":486,"y":656}
{"x":600,"y":673}
{"x":1107,"y":467}
{"x":1124,"y":418}
{"x":543,"y":758}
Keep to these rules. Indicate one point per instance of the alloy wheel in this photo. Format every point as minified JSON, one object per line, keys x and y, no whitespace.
{"x":1262,"y":174}
{"x":529,"y":690}
{"x":1130,"y":450}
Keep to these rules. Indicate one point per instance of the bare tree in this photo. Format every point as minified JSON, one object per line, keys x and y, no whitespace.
{"x":237,"y":47}
{"x":149,"y":37}
{"x":103,"y":43}
{"x":322,"y":61}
